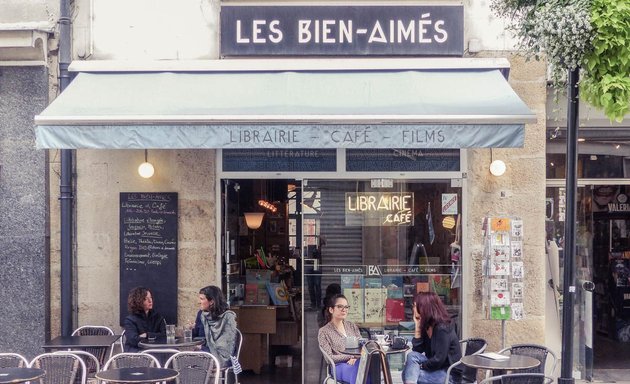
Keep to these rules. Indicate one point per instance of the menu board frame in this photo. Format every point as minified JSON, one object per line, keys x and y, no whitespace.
{"x":149,"y":249}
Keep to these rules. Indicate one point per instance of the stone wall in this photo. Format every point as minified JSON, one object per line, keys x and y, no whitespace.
{"x":23,"y":212}
{"x":101,"y":176}
{"x":523,"y":188}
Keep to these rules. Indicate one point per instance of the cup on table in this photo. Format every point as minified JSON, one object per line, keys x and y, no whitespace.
{"x":187,"y":334}
{"x":382,"y":339}
{"x":170,"y":333}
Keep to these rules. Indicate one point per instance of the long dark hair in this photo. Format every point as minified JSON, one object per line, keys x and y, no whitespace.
{"x":214,"y":294}
{"x":431,"y":309}
{"x":331,"y":304}
{"x":135,"y":300}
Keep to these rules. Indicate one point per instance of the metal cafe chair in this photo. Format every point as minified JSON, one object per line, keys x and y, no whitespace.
{"x":225,"y":372}
{"x":12,"y":360}
{"x":331,"y":374}
{"x":131,"y":360}
{"x":161,"y":354}
{"x":536,"y":351}
{"x":195,"y":367}
{"x":92,"y":365}
{"x":96,"y":330}
{"x":61,"y":367}
{"x":471,"y":346}
{"x":519,"y":378}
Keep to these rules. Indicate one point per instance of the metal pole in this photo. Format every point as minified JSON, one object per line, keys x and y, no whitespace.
{"x":65,"y":186}
{"x":568,"y":285}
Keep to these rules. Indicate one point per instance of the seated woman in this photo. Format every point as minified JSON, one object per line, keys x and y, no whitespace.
{"x":435,"y":343}
{"x":217,"y":324}
{"x":332,"y":338}
{"x":142,"y":322}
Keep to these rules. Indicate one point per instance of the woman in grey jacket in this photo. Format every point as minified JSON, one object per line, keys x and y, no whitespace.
{"x":435,"y":343}
{"x":218,"y":324}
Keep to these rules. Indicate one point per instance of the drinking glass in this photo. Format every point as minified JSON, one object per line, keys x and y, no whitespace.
{"x":170,"y":333}
{"x":187,"y":334}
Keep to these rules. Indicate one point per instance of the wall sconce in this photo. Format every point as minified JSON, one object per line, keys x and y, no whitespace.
{"x":254,"y":219}
{"x":497,"y":167}
{"x":146,"y":169}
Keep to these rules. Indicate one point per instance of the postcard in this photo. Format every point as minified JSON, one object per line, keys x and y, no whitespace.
{"x":517,"y":270}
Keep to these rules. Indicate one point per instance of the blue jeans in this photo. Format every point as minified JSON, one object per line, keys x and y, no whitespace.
{"x":348,"y":373}
{"x":413,"y":374}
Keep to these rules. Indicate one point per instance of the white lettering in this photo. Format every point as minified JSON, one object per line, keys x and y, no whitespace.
{"x":377,"y":34}
{"x":276,"y":33}
{"x":256,"y":31}
{"x":304,"y":33}
{"x":442,"y":35}
{"x":239,"y":38}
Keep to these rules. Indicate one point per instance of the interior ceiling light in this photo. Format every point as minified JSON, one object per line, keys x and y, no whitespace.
{"x":268,"y":206}
{"x":581,"y":139}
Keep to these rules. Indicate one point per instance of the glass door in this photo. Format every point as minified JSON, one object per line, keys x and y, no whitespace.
{"x":377,"y":242}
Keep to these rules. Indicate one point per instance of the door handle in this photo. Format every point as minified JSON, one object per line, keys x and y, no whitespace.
{"x":588,"y":286}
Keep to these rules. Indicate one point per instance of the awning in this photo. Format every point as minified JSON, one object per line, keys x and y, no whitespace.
{"x":401,"y":108}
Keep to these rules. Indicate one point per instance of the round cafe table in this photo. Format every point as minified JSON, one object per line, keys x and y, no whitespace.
{"x":161,"y":342}
{"x":137,"y":375}
{"x":20,"y":375}
{"x":512,"y":363}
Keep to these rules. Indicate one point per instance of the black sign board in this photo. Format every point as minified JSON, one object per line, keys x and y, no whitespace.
{"x":279,"y":160}
{"x":148,"y":249}
{"x":402,"y":160}
{"x":363,"y":30}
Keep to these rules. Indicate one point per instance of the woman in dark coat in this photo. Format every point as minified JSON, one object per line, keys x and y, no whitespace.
{"x":142,"y":322}
{"x":435,"y":343}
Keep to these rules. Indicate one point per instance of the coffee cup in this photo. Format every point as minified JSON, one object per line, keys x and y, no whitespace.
{"x":382,"y":339}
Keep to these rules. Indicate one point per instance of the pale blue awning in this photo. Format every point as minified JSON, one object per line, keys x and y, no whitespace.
{"x":286,"y":109}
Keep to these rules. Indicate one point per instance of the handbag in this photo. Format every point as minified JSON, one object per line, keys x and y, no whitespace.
{"x":236,"y":366}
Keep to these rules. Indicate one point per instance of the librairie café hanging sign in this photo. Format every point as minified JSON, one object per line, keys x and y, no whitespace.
{"x":379,"y":209}
{"x":322,"y":30}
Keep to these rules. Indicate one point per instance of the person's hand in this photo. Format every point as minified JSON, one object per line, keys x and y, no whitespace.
{"x":352,"y":361}
{"x":143,"y":335}
{"x":416,"y":317}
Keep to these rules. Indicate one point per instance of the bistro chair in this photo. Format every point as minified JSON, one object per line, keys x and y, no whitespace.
{"x":92,"y":365}
{"x":519,"y":378}
{"x":331,"y":374}
{"x":471,"y":346}
{"x":536,"y":351}
{"x":96,"y":330}
{"x":195,"y":367}
{"x":12,"y":360}
{"x":225,"y":372}
{"x":61,"y":368}
{"x":161,"y":354}
{"x":131,"y":360}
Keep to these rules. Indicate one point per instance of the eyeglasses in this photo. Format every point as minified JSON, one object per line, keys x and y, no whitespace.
{"x":342,"y":307}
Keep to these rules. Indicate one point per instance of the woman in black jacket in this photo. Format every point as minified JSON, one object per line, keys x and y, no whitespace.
{"x":142,"y":322}
{"x":435,"y":343}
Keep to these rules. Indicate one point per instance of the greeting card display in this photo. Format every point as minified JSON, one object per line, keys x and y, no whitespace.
{"x":503,"y":268}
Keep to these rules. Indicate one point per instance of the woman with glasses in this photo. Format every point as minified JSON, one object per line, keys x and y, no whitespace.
{"x":435,"y":343}
{"x":332,"y":338}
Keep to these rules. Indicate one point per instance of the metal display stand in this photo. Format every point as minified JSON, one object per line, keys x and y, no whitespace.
{"x":503,"y":270}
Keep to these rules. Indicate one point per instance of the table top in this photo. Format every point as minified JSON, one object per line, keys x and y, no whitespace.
{"x":161,"y":342}
{"x":20,"y":375}
{"x":357,"y":351}
{"x":137,"y":375}
{"x":81,"y":341}
{"x":513,"y":362}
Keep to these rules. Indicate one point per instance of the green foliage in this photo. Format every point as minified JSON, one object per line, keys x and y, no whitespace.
{"x":606,"y":83}
{"x":591,"y":34}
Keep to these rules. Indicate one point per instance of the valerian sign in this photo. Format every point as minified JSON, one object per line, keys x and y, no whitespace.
{"x":421,"y":30}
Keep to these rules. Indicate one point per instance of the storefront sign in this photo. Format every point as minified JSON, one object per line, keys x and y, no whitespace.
{"x":421,"y":30}
{"x":379,"y":209}
{"x":279,"y":160}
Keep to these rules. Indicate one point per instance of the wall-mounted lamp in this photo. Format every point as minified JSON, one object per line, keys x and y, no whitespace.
{"x":497,"y":167}
{"x":146,"y":169}
{"x":254,"y":219}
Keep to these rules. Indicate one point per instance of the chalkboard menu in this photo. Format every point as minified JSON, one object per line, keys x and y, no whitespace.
{"x":148,"y":249}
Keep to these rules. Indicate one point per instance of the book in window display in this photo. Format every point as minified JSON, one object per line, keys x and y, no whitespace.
{"x":355,"y":301}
